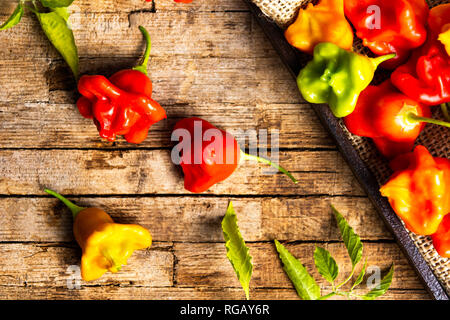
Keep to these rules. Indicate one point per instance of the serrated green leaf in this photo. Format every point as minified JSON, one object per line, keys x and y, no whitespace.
{"x":351,"y":239}
{"x":306,"y":286}
{"x":58,"y":32}
{"x":237,"y":251}
{"x":360,"y":277}
{"x":14,"y":19}
{"x":56,"y":3}
{"x":382,"y":287}
{"x":325,"y":264}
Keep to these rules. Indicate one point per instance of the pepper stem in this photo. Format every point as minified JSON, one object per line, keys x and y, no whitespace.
{"x":247,"y":156}
{"x":143,"y":66}
{"x":444,"y":108}
{"x":411,"y":116}
{"x":376,"y":61}
{"x":74,"y":208}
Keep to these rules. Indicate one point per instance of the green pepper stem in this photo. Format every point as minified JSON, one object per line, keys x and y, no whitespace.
{"x":376,"y":61}
{"x":444,"y":108}
{"x":247,"y":156}
{"x":412,"y":117}
{"x":143,"y":66}
{"x":74,"y":208}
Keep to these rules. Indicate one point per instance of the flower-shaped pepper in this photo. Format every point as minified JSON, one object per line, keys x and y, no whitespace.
{"x":122,"y":104}
{"x":337,"y":77}
{"x":324,"y":22}
{"x":419,"y":190}
{"x":388,"y":26}
{"x":106,"y":245}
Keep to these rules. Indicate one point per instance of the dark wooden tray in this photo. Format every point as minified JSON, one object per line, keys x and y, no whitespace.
{"x":292,"y":57}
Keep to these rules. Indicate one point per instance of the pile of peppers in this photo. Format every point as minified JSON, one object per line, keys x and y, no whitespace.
{"x":413,"y":41}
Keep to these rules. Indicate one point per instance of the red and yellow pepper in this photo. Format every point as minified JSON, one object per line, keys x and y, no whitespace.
{"x":324,"y":22}
{"x":419,"y":190}
{"x":105,"y":245}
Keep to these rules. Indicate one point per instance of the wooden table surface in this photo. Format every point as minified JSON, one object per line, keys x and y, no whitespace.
{"x":209,"y":59}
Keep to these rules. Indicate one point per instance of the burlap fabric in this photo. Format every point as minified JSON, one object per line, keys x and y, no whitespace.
{"x":435,"y":138}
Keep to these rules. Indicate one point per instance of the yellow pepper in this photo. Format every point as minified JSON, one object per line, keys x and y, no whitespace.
{"x":105,"y":245}
{"x":444,"y":38}
{"x":324,"y":22}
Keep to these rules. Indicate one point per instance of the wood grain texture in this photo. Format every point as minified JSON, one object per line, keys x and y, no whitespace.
{"x":198,"y":218}
{"x":209,"y":59}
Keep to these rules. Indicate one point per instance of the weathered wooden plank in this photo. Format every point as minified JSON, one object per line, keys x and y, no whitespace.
{"x":200,"y":34}
{"x":196,"y":265}
{"x":42,"y":125}
{"x":192,"y":219}
{"x":26,"y":172}
{"x":22,"y":80}
{"x":137,"y":5}
{"x":207,"y":265}
{"x":175,"y":293}
{"x":46,"y":265}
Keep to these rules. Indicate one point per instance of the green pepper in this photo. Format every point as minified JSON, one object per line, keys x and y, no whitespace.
{"x":337,"y":76}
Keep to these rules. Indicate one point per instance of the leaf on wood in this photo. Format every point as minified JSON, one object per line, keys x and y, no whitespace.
{"x":351,"y":239}
{"x":237,"y":251}
{"x":306,"y":286}
{"x":60,"y":35}
{"x":382,"y":287}
{"x":325,"y":264}
{"x":14,"y":19}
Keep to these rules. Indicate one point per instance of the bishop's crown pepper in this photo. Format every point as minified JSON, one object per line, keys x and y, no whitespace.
{"x":387,"y":26}
{"x":425,"y":77}
{"x":324,"y":22}
{"x":209,"y":155}
{"x":105,"y":245}
{"x":337,"y":77}
{"x":122,"y":104}
{"x":419,"y":190}
{"x":392,"y":119}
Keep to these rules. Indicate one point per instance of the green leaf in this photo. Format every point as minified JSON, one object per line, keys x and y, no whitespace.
{"x":306,"y":286}
{"x":14,"y":19}
{"x":63,"y":12}
{"x":382,"y":287}
{"x":56,"y":3}
{"x":360,"y":277}
{"x":351,"y":239}
{"x":58,"y":32}
{"x":325,"y":264}
{"x":237,"y":251}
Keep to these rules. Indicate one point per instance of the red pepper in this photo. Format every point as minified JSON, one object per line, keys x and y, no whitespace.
{"x":182,"y":1}
{"x":122,"y":104}
{"x":441,"y":239}
{"x":419,"y":190}
{"x":209,"y":155}
{"x":426,"y":75}
{"x":387,"y":26}
{"x":390,"y":118}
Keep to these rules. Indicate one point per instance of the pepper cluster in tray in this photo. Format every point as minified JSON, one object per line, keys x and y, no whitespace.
{"x":413,"y":41}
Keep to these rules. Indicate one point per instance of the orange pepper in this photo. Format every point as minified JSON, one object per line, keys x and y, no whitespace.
{"x":105,"y":245}
{"x":419,"y":190}
{"x":441,"y":239}
{"x":324,"y":22}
